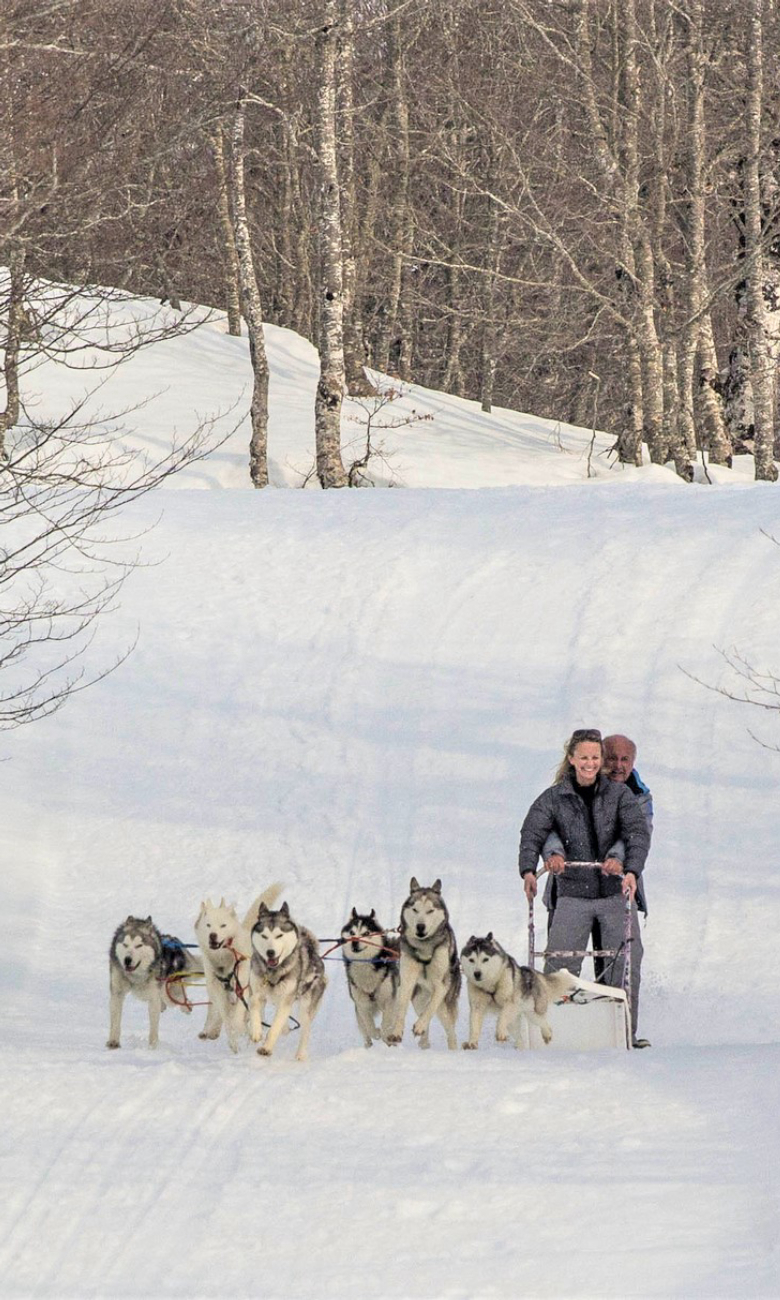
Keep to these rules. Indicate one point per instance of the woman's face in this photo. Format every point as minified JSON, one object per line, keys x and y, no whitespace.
{"x":586,"y":761}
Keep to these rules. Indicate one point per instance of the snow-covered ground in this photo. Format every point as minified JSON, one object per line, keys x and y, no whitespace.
{"x":339,"y":691}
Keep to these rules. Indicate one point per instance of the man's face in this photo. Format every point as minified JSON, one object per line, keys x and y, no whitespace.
{"x":619,"y":756}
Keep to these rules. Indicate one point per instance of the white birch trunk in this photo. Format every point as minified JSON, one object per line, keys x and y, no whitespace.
{"x":489,"y":330}
{"x":330,"y":389}
{"x":11,"y":344}
{"x":697,"y":337}
{"x":629,"y":441}
{"x":252,"y":306}
{"x":354,"y":350}
{"x":710,"y":401}
{"x":761,"y":362}
{"x":389,"y":345}
{"x":647,"y":334}
{"x":227,"y":238}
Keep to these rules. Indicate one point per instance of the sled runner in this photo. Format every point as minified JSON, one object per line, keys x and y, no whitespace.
{"x":595,"y":1015}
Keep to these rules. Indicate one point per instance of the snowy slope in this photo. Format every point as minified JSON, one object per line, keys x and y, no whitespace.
{"x":426,"y":439}
{"x":339,"y":691}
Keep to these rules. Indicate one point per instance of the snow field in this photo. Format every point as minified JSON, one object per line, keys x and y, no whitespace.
{"x":340,"y":691}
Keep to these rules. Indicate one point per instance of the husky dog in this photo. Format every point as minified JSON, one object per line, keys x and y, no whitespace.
{"x":429,"y":974}
{"x":225,"y":942}
{"x":141,"y":961}
{"x":497,"y":984}
{"x":286,"y":968}
{"x":371,"y":965}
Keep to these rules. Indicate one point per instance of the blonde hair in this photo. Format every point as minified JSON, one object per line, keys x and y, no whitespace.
{"x":583,"y":735}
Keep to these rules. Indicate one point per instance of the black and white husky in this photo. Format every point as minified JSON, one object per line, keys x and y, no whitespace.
{"x":287,"y":970}
{"x":142,"y":961}
{"x":497,"y":984}
{"x":371,"y":965}
{"x":429,"y":969}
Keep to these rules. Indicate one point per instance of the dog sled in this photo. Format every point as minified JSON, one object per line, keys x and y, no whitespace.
{"x":595,"y":1015}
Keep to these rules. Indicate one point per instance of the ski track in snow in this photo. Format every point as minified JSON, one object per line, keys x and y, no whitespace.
{"x":546,"y":1188}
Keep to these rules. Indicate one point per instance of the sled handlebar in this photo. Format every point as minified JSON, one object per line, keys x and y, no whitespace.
{"x":594,"y":866}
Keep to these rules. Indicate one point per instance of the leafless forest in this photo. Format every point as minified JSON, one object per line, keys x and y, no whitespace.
{"x":569,"y":207}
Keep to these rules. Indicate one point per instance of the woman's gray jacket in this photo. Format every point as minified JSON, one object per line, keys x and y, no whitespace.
{"x":617,"y":815}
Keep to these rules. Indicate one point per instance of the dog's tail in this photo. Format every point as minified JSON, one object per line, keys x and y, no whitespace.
{"x":268,"y":897}
{"x":560,"y":982}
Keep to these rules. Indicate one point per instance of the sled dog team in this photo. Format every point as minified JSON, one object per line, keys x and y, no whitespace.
{"x":268,"y":958}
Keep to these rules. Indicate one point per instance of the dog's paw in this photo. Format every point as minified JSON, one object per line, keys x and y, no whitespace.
{"x":469,"y":1047}
{"x":263,"y":1051}
{"x":368,"y":1042}
{"x":393,"y":1040}
{"x":547,"y":1035}
{"x":501,"y":1038}
{"x":419,"y":1028}
{"x":112,"y":1042}
{"x":211,"y":1034}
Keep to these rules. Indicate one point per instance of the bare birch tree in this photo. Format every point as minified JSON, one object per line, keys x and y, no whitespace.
{"x":63,"y":479}
{"x":354,"y":344}
{"x":390,"y":346}
{"x":761,"y":367}
{"x":250,"y":299}
{"x":330,"y":388}
{"x":227,"y":236}
{"x":697,"y":336}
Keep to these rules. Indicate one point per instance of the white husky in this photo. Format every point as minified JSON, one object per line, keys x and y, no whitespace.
{"x":496,"y":983}
{"x":225,"y":941}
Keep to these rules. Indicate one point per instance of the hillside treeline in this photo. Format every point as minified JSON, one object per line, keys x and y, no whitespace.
{"x":564,"y":207}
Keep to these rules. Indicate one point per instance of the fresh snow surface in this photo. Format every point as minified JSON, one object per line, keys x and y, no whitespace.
{"x":340,"y":691}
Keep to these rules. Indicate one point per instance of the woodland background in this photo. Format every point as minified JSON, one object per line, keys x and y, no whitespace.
{"x":570,"y":208}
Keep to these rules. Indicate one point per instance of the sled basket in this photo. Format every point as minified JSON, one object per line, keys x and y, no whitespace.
{"x":594,"y":1015}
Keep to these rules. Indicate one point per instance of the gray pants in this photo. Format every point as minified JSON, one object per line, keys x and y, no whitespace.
{"x":570,"y":929}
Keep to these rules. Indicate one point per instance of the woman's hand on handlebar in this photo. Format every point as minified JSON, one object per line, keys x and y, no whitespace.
{"x":556,"y":863}
{"x":529,"y":885}
{"x":612,"y":867}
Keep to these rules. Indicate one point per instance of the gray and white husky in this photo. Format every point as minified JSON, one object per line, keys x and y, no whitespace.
{"x":371,"y":965}
{"x":429,"y":969}
{"x":287,"y":970}
{"x":497,"y":984}
{"x":225,"y":941}
{"x":141,"y":961}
